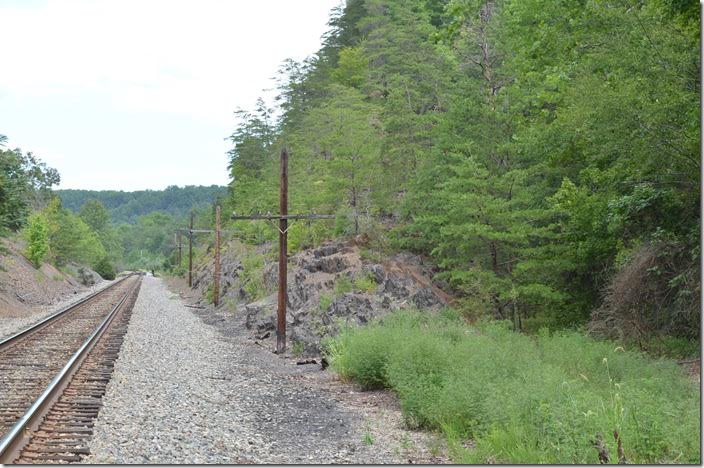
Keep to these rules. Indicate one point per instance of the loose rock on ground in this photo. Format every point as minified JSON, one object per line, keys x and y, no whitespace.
{"x":184,"y":391}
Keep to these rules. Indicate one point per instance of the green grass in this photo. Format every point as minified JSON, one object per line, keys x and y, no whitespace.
{"x":524,"y":399}
{"x":367,"y":437}
{"x":672,"y":347}
{"x":210,"y":294}
{"x":325,"y":302}
{"x":252,"y":276}
{"x":365,"y":283}
{"x":362,"y":283}
{"x":297,"y":348}
{"x":343,"y":285}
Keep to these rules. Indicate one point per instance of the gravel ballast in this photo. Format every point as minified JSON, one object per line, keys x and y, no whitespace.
{"x":183,"y":392}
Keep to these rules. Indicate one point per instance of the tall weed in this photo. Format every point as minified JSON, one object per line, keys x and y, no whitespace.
{"x":524,"y":399}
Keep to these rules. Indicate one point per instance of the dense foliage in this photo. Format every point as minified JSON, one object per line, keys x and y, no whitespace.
{"x":552,"y":398}
{"x":37,"y":234}
{"x":51,"y":233}
{"x":138,"y":228}
{"x":126,"y":207}
{"x":25,"y":183}
{"x":135,"y":230}
{"x":544,"y":154}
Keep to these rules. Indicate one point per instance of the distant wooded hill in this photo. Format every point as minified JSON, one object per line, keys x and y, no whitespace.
{"x":125,"y":207}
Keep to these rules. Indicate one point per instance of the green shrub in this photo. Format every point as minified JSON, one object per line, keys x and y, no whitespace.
{"x":363,"y":356}
{"x":297,"y":348}
{"x":343,"y":285}
{"x":524,"y":399}
{"x":365,"y":283}
{"x":105,"y":268}
{"x":296,"y":238}
{"x":672,"y":347}
{"x":254,"y":232}
{"x":252,"y":275}
{"x":360,"y":283}
{"x":325,"y":302}
{"x":37,"y":235}
{"x":209,"y":294}
{"x":370,"y":255}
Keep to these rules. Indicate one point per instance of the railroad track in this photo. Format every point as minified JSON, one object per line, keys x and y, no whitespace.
{"x":53,"y":376}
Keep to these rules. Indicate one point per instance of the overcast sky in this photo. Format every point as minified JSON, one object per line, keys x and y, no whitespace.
{"x":136,"y":94}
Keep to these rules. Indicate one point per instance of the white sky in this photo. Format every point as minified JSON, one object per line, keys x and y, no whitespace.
{"x":136,"y":94}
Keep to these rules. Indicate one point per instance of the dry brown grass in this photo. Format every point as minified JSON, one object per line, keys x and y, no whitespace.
{"x":656,"y":292}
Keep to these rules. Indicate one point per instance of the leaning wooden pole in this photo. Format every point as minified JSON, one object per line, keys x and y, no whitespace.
{"x":283,"y":228}
{"x":190,"y":254}
{"x":216,"y":274}
{"x":179,"y":249}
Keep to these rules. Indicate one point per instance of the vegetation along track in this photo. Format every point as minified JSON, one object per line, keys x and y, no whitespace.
{"x":53,"y":376}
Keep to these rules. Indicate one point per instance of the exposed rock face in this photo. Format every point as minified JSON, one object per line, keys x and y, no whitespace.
{"x":314,"y":308}
{"x":258,"y":315}
{"x":333,"y":264}
{"x":377,"y":272}
{"x":297,"y":291}
{"x":395,"y":287}
{"x":425,"y":299}
{"x":354,"y":307}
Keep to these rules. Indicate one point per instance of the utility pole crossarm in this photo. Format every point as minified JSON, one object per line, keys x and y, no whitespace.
{"x":189,"y":233}
{"x":286,"y":217}
{"x":197,"y":231}
{"x":283,"y":217}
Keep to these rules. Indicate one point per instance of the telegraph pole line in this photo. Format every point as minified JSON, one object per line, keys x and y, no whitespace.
{"x":218,"y":242}
{"x":283,"y":218}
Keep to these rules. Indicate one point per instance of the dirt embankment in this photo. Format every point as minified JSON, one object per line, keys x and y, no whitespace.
{"x":328,"y":287}
{"x":26,"y":291}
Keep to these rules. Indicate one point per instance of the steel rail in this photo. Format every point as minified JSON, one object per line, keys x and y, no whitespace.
{"x":20,"y":433}
{"x":51,"y":318}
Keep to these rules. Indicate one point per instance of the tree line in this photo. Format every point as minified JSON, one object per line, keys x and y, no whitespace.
{"x":126,"y":207}
{"x":76,"y":226}
{"x":544,"y":154}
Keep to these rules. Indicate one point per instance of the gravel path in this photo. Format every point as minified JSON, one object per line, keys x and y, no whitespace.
{"x":182,"y":392}
{"x":11,"y":325}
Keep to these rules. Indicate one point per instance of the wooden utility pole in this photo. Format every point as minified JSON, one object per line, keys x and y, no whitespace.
{"x":190,"y":232}
{"x":283,"y":251}
{"x":283,"y":218}
{"x":190,"y":253}
{"x":178,"y":236}
{"x":216,"y":274}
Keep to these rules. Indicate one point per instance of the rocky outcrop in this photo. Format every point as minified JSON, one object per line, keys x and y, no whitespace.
{"x":259,"y":317}
{"x":328,"y":287}
{"x":354,"y":308}
{"x":425,"y":298}
{"x":334,"y":264}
